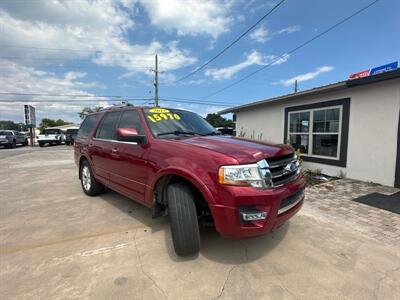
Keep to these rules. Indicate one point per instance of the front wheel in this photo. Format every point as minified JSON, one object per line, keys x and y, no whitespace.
{"x":41,"y":144}
{"x":14,"y":144}
{"x":25,"y":143}
{"x":183,"y":219}
{"x":90,"y":185}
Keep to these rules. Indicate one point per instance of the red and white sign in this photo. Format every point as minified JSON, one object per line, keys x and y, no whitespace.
{"x":359,"y":74}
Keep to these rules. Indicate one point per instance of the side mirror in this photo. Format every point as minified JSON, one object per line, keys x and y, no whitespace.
{"x":130,"y":135}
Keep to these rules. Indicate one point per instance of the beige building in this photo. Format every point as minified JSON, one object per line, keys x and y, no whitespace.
{"x":349,"y":127}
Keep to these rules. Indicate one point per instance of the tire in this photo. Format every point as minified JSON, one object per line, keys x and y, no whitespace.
{"x":183,"y":219}
{"x":67,"y":143}
{"x":90,"y":185}
{"x":41,"y":144}
{"x":25,"y":143}
{"x":14,"y":144}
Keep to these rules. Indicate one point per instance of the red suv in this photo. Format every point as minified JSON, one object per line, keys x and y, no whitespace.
{"x":177,"y":164}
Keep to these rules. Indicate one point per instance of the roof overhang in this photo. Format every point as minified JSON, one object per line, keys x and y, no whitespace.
{"x":342,"y":85}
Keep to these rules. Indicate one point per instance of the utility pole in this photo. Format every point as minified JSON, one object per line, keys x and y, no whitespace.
{"x":156,"y":83}
{"x":295,"y":86}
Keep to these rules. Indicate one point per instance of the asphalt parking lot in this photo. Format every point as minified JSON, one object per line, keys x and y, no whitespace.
{"x":57,"y":243}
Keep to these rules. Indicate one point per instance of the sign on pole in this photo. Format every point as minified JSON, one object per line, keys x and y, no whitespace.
{"x":30,"y":116}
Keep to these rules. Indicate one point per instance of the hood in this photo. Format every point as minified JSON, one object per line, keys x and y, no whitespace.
{"x":243,"y":150}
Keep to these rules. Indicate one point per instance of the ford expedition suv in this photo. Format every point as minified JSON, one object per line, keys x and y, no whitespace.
{"x":177,"y":164}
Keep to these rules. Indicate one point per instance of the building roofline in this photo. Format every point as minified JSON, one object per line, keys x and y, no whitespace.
{"x":333,"y":87}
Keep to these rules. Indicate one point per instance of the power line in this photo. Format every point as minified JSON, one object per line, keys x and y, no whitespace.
{"x":58,"y":95}
{"x":231,"y":44}
{"x":82,"y":101}
{"x":123,"y":97}
{"x":293,"y":50}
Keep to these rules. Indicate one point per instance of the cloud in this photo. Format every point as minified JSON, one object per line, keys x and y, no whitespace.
{"x":254,"y":58}
{"x":227,"y":72}
{"x":260,"y":35}
{"x":20,"y":79}
{"x":96,"y":30}
{"x":288,"y":30}
{"x":190,"y":17}
{"x":305,"y":76}
{"x":277,"y":60}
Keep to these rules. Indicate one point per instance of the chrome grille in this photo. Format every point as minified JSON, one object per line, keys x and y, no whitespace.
{"x":279,"y":170}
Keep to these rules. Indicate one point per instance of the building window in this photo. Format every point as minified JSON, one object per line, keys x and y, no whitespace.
{"x":316,"y":131}
{"x":319,"y":130}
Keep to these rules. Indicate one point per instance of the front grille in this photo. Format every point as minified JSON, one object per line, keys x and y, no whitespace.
{"x":282,"y":169}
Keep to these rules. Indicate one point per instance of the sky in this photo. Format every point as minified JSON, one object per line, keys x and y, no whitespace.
{"x":106,"y":48}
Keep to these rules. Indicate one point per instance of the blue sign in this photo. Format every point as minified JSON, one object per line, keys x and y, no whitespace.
{"x":384,"y":68}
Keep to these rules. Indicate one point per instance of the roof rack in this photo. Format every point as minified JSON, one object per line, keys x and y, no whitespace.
{"x":114,"y":107}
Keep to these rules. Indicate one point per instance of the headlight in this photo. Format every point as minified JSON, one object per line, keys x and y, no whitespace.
{"x":242,"y":175}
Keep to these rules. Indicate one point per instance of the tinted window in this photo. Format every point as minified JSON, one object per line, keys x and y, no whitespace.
{"x":131,"y":119}
{"x":87,"y":126}
{"x":108,"y":126}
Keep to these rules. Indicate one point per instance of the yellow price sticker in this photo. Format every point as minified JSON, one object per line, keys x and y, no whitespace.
{"x":163,"y":117}
{"x":159,"y":110}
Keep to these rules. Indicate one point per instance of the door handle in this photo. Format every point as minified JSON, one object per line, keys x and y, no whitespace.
{"x":114,"y":150}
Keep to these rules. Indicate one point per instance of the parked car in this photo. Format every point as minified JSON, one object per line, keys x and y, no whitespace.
{"x":70,"y":136}
{"x":177,"y":164}
{"x":51,"y":136}
{"x":225,"y":130}
{"x":10,"y":138}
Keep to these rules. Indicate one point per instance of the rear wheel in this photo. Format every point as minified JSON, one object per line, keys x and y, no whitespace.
{"x":183,"y":219}
{"x":41,"y":144}
{"x":90,"y":185}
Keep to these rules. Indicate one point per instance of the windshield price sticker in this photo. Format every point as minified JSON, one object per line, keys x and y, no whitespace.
{"x":159,"y":110}
{"x":163,"y":116}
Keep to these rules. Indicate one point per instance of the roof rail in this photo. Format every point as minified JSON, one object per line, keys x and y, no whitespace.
{"x":114,"y":107}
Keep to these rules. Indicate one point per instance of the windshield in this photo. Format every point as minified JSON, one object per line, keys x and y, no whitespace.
{"x":5,"y":133}
{"x":170,"y":122}
{"x":51,"y":131}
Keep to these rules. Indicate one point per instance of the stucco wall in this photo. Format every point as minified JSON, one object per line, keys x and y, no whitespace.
{"x":373,"y":124}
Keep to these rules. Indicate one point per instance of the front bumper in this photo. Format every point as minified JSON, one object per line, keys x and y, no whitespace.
{"x":280,"y":204}
{"x":48,"y":141}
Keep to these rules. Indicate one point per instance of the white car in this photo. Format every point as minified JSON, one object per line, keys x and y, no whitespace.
{"x":51,"y":136}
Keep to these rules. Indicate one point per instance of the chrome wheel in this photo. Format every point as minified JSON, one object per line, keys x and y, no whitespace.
{"x":86,"y":178}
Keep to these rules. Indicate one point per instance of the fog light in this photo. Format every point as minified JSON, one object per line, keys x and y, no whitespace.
{"x":255,"y":215}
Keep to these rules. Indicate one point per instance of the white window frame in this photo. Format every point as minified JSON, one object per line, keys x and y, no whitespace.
{"x":311,"y":134}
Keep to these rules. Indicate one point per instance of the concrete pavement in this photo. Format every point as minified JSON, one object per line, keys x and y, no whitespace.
{"x":57,"y":243}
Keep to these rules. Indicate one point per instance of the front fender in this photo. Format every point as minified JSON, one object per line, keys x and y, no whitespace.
{"x":191,"y":172}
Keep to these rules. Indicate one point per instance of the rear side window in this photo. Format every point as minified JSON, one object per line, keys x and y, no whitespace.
{"x":87,"y":126}
{"x":131,"y":119}
{"x":108,"y":126}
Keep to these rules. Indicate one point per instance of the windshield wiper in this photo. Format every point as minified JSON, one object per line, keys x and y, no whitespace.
{"x":177,"y":132}
{"x":213,"y":133}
